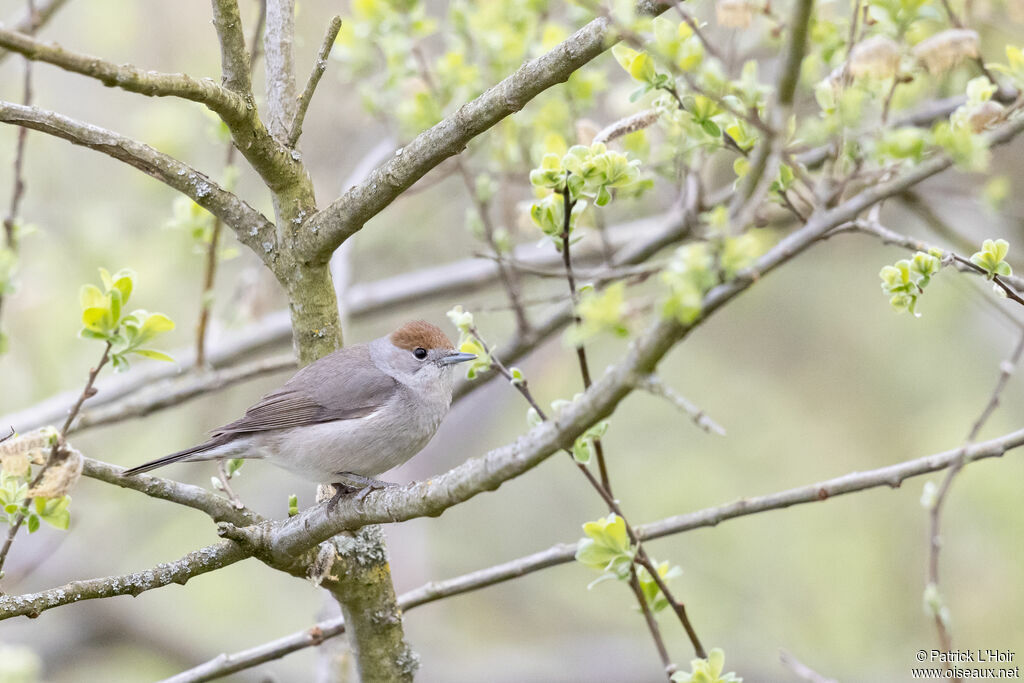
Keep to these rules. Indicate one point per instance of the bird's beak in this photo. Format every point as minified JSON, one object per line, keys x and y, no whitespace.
{"x":457,"y":357}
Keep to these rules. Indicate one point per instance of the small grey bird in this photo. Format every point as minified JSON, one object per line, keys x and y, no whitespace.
{"x":348,"y":416}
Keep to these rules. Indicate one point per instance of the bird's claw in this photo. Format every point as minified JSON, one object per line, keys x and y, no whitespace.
{"x":342,"y":489}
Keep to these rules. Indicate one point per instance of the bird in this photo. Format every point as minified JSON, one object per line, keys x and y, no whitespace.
{"x":346,"y":417}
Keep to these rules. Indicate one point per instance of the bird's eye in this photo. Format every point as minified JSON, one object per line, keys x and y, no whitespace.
{"x":420,"y":353}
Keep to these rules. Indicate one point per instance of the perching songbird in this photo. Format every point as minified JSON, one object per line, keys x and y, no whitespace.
{"x":348,"y":416}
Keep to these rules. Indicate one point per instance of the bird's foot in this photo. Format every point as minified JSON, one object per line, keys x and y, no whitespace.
{"x":340,"y":490}
{"x":365,"y":486}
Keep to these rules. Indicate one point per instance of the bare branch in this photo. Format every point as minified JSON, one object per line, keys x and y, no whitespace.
{"x":127,"y":77}
{"x":280,"y":62}
{"x":235,"y":61}
{"x":562,"y":553}
{"x":231,"y":61}
{"x":195,"y":497}
{"x":346,"y":215}
{"x":252,"y":228}
{"x":174,"y":391}
{"x":34,"y":20}
{"x":180,"y":571}
{"x":314,"y":79}
{"x":1006,"y":369}
{"x":654,"y":385}
{"x":225,"y":664}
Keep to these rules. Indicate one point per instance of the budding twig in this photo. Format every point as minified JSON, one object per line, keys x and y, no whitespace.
{"x":641,"y":554}
{"x":55,"y":452}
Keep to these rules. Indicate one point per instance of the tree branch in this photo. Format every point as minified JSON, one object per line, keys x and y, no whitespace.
{"x":235,"y":61}
{"x":314,"y":79}
{"x":219,"y":509}
{"x":180,"y":571}
{"x":252,"y":228}
{"x":280,"y":62}
{"x":154,"y":397}
{"x":35,"y":20}
{"x":227,"y":104}
{"x":935,"y":517}
{"x":346,"y":215}
{"x":892,"y":476}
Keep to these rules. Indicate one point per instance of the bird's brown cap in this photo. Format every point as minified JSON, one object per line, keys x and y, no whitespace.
{"x":420,"y":333}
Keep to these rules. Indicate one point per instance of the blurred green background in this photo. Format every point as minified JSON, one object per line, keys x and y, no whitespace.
{"x":811,"y":382}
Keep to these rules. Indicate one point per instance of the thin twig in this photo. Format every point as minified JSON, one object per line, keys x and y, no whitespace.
{"x":613,"y":505}
{"x":709,"y":47}
{"x":1006,"y":369}
{"x":851,"y":40}
{"x":225,"y":482}
{"x":18,"y":183}
{"x":55,"y":452}
{"x":652,"y":625}
{"x":210,"y":274}
{"x":654,"y":385}
{"x":314,"y":79}
{"x":507,"y":268}
{"x":581,"y":353}
{"x":35,"y":18}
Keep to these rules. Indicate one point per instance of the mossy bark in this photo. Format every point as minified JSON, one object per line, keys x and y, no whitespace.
{"x":373,"y":621}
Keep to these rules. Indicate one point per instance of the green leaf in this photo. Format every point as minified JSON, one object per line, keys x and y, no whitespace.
{"x":90,"y":296}
{"x":154,"y":355}
{"x":711,"y":128}
{"x":124,"y":282}
{"x":32,"y":523}
{"x":97,"y":320}
{"x":114,"y":296}
{"x":154,"y":324}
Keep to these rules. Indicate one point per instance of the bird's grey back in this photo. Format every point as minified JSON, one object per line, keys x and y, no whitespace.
{"x":342,"y":385}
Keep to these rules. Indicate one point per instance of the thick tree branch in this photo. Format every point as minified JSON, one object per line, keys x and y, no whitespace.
{"x":346,"y":215}
{"x":235,"y":61}
{"x":892,"y":476}
{"x":227,"y":104}
{"x":252,"y":228}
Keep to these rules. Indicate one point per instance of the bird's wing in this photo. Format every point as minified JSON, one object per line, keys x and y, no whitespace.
{"x":343,"y":386}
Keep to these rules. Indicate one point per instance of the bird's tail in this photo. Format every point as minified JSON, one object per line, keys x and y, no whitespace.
{"x":194,"y":453}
